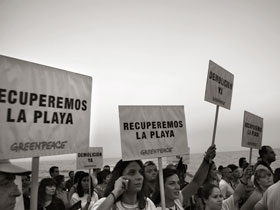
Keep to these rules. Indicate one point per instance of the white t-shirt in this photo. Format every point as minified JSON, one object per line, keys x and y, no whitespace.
{"x":75,"y":198}
{"x":123,"y":206}
{"x":228,"y":204}
{"x":226,"y":189}
{"x":178,"y":206}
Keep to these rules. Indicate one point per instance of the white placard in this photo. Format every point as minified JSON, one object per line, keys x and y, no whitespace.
{"x":252,"y":131}
{"x":219,"y":86}
{"x":152,"y":131}
{"x":43,"y":110}
{"x":90,"y":158}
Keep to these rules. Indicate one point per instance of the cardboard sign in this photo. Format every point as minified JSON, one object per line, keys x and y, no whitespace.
{"x":152,"y":131}
{"x":90,"y":158}
{"x":43,"y":110}
{"x":219,"y":86}
{"x":252,"y":131}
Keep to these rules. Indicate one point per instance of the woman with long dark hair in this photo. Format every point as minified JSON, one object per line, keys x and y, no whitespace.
{"x":125,"y":189}
{"x":46,"y":196}
{"x":73,"y":189}
{"x":60,"y":190}
{"x":88,"y":198}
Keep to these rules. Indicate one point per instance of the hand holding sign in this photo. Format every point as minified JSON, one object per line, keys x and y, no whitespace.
{"x":210,"y":153}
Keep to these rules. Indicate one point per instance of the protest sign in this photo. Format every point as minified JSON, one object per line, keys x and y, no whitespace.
{"x":252,"y":131}
{"x":90,"y":158}
{"x":43,"y":110}
{"x":219,"y":86}
{"x":152,"y":131}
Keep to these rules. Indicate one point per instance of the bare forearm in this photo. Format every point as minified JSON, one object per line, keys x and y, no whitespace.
{"x":197,"y":181}
{"x":108,"y":203}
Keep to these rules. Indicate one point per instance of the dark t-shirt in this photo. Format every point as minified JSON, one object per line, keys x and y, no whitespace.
{"x":69,"y":183}
{"x":56,"y":204}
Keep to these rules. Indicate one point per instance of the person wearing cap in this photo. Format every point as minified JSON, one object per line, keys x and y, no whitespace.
{"x":8,"y":189}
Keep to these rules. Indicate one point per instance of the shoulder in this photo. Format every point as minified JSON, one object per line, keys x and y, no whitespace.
{"x":94,"y":196}
{"x":98,"y":203}
{"x":228,"y":204}
{"x":57,"y":200}
{"x":58,"y":204}
{"x":179,"y":204}
{"x":150,"y":204}
{"x":75,"y":196}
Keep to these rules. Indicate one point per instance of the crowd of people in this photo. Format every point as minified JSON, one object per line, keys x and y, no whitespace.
{"x":133,"y":185}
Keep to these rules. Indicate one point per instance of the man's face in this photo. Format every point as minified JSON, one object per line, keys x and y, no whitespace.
{"x":55,"y":172}
{"x":270,"y":154}
{"x":150,"y":172}
{"x":227,"y":173}
{"x":71,"y":175}
{"x":8,"y":191}
{"x":236,"y":174}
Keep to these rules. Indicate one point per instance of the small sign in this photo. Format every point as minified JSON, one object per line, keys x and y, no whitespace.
{"x":90,"y":158}
{"x":219,"y":86}
{"x":152,"y":131}
{"x":252,"y":131}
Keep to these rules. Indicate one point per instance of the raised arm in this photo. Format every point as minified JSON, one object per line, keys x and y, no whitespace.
{"x":240,"y":189}
{"x":200,"y":175}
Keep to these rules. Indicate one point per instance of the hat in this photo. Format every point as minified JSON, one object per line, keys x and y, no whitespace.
{"x":7,"y":167}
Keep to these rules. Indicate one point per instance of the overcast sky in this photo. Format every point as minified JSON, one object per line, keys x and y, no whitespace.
{"x":156,"y":52}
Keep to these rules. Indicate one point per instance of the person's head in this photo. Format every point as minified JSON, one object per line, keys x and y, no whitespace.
{"x":54,"y":171}
{"x":235,"y":171}
{"x":267,"y":154}
{"x":47,"y":188}
{"x":243,"y":163}
{"x":71,"y":174}
{"x":77,"y":176}
{"x":263,"y":179}
{"x":220,"y":168}
{"x":83,"y":184}
{"x":60,"y":181}
{"x":211,"y":196}
{"x":134,"y":172}
{"x":106,"y":175}
{"x":150,"y":171}
{"x":171,"y":186}
{"x":25,"y":181}
{"x":276,"y":176}
{"x":103,"y":177}
{"x":227,"y":174}
{"x":171,"y":166}
{"x":106,"y":167}
{"x":8,"y":189}
{"x":212,"y":174}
